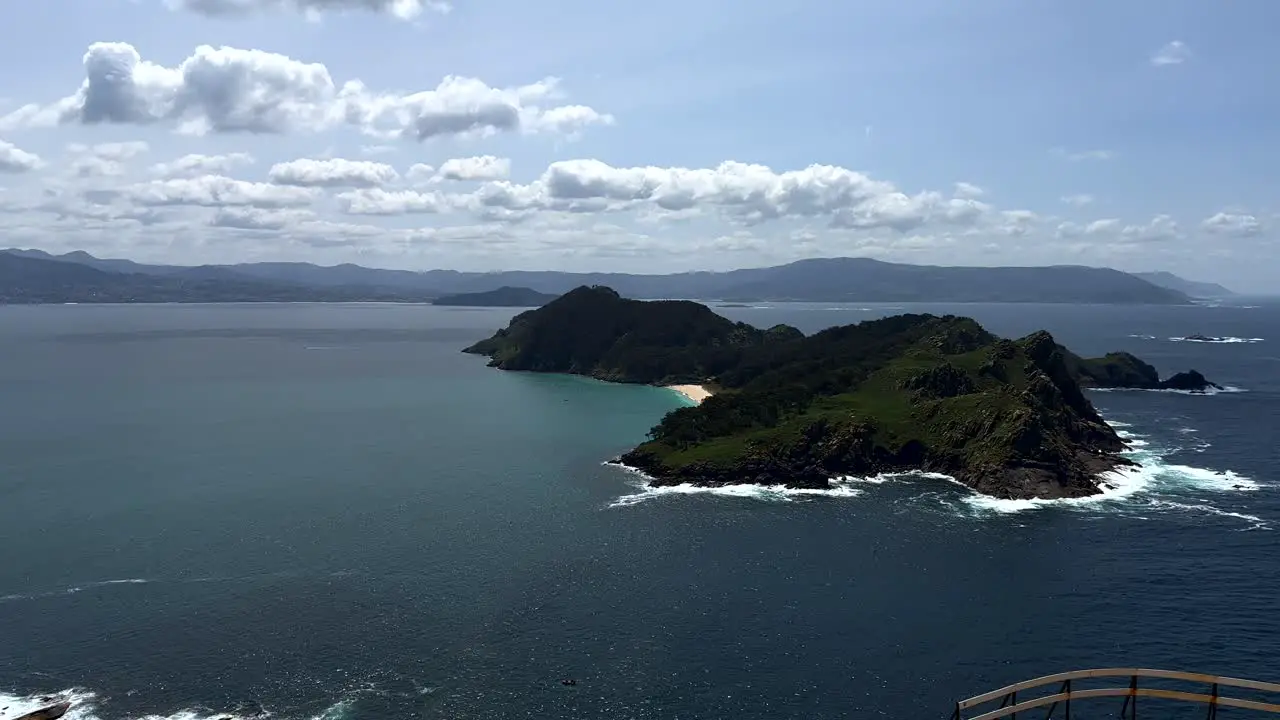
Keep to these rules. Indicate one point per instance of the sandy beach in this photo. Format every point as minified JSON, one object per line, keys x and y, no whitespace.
{"x":696,"y":393}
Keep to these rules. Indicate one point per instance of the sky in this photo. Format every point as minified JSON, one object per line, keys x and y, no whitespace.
{"x":646,"y":137}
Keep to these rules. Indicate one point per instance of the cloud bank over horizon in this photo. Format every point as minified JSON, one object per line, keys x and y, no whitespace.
{"x":621,"y":139}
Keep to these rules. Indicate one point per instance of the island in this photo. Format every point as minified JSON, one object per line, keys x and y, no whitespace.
{"x":505,"y":296}
{"x":1008,"y":418}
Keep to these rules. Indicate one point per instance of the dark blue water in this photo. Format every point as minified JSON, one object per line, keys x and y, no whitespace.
{"x":328,"y":511}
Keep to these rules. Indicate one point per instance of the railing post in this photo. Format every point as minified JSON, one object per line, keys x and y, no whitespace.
{"x":1213,"y":704}
{"x":956,"y":714}
{"x":1068,"y":703}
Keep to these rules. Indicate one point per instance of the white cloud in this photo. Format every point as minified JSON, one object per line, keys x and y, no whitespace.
{"x":112,"y":151}
{"x":105,"y":159}
{"x":1098,"y":227}
{"x":969,"y":190}
{"x":94,"y":166}
{"x":1015,"y":222}
{"x":482,"y":167}
{"x":1083,"y":154}
{"x":252,"y":218}
{"x":420,"y":172}
{"x":189,"y":165}
{"x":463,"y":106}
{"x":229,"y":90}
{"x":1231,"y":224}
{"x":1159,"y":229}
{"x":1175,"y":52}
{"x":16,"y":160}
{"x":1078,"y":200}
{"x":401,"y":9}
{"x":376,"y":201}
{"x":332,"y":173}
{"x":566,"y":120}
{"x":218,"y":191}
{"x":744,"y":193}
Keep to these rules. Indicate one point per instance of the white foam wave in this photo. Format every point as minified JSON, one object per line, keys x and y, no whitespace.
{"x":19,"y":705}
{"x":1217,"y":340}
{"x":72,"y":589}
{"x":1255,"y":522}
{"x":1215,"y":480}
{"x":1143,"y":337}
{"x":1227,"y":389}
{"x":84,"y":707}
{"x":776,"y":493}
{"x":1116,"y":485}
{"x":1121,"y":487}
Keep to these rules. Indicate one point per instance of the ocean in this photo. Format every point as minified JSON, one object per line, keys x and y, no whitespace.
{"x":320,"y":511}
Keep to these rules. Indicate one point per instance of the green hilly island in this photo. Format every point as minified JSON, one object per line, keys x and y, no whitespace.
{"x":1008,"y":418}
{"x":505,"y":296}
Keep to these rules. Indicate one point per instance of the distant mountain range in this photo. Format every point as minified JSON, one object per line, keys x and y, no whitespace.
{"x":37,"y":276}
{"x":25,"y":279}
{"x":1192,"y":288}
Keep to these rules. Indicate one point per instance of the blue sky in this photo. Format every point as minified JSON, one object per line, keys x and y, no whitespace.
{"x":666,"y":136}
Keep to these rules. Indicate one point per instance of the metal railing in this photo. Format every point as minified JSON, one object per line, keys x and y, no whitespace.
{"x":1010,"y":705}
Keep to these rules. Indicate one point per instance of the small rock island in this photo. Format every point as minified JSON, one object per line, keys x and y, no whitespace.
{"x":505,"y":296}
{"x":1007,"y":418}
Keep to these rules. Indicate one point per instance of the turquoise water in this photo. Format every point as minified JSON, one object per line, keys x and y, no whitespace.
{"x":329,"y":511}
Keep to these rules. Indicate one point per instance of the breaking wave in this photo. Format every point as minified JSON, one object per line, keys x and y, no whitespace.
{"x":73,"y":589}
{"x":1225,"y":389}
{"x":1216,"y":340}
{"x":84,"y":706}
{"x":842,"y":487}
{"x":1153,"y":484}
{"x":87,"y":705}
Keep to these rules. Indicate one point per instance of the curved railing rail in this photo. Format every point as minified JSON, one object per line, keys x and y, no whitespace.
{"x":1010,"y":706}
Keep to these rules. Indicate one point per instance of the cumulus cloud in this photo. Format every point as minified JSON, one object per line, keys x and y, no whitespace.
{"x":252,"y":218}
{"x":94,"y":166}
{"x":190,"y":165}
{"x":1078,"y":200}
{"x":1102,"y":226}
{"x":969,"y":190}
{"x":105,"y":159}
{"x":1175,"y":52}
{"x":482,"y":167}
{"x":1160,"y":228}
{"x":420,"y":172}
{"x":401,"y":9}
{"x":230,"y":90}
{"x":334,"y":172}
{"x":112,"y":151}
{"x":15,"y":160}
{"x":745,"y":193}
{"x":1232,"y":225}
{"x":376,"y":201}
{"x":218,"y":191}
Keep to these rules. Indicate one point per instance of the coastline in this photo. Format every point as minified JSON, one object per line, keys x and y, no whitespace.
{"x":693,"y":393}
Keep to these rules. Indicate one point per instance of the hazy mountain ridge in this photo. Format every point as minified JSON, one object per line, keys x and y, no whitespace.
{"x":27,"y":279}
{"x":1193,"y":288}
{"x":812,"y":280}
